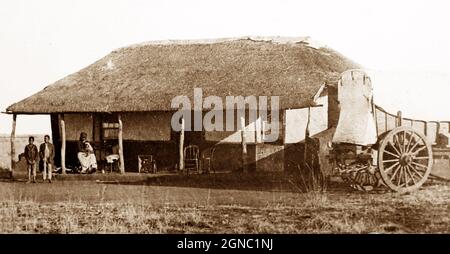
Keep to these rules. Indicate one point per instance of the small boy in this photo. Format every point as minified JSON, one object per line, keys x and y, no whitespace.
{"x":31,"y":155}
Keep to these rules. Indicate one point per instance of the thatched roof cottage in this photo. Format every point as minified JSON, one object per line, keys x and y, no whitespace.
{"x":125,"y":98}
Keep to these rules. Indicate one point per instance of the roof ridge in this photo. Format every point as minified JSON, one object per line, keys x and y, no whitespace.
{"x":271,"y":39}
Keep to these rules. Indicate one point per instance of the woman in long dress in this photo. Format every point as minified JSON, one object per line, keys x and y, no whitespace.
{"x":86,"y":155}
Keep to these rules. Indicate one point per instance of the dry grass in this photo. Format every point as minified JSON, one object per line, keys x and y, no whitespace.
{"x":86,"y":207}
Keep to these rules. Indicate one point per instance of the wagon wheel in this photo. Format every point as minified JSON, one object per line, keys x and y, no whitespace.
{"x":404,"y":159}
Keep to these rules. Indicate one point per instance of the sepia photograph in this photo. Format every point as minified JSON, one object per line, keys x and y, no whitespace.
{"x":224,"y":117}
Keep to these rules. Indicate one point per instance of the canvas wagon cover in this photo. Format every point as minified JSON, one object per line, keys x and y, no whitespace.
{"x":356,"y":122}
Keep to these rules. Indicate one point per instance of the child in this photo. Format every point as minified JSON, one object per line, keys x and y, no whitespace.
{"x":31,"y":155}
{"x":88,"y":147}
{"x":90,"y":154}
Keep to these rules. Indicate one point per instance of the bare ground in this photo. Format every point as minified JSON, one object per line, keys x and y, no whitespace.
{"x":144,"y":207}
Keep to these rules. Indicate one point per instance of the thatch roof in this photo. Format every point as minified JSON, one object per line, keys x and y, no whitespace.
{"x":146,"y":77}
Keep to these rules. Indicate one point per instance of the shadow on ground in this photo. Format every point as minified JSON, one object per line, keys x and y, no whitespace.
{"x":251,"y":181}
{"x":257,"y":181}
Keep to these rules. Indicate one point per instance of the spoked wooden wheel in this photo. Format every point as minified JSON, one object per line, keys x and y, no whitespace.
{"x":404,"y":159}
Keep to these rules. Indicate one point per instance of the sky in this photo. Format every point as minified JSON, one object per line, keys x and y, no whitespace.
{"x":405,"y":44}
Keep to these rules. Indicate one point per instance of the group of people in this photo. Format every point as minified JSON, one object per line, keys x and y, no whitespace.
{"x":46,"y":154}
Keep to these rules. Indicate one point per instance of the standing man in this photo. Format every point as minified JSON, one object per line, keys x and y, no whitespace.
{"x":47,"y":154}
{"x":31,"y":155}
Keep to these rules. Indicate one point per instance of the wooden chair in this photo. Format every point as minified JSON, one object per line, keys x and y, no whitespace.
{"x":192,"y":158}
{"x":207,"y":159}
{"x":146,"y":164}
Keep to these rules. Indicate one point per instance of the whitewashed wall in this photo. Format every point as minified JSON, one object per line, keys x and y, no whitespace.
{"x":235,"y":136}
{"x":297,"y":119}
{"x":252,"y":132}
{"x":319,"y":116}
{"x":155,"y":126}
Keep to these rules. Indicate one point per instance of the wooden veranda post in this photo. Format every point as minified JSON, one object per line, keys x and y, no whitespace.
{"x":181,"y":147}
{"x":13,"y":148}
{"x":62,"y":125}
{"x":121,"y":160}
{"x":244,"y":145}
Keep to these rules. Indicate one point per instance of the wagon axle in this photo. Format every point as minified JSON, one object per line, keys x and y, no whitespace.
{"x":406,"y":160}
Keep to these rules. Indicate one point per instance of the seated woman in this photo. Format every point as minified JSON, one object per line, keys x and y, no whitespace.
{"x":86,"y":155}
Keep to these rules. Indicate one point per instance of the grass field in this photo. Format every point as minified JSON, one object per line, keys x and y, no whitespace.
{"x":215,"y":204}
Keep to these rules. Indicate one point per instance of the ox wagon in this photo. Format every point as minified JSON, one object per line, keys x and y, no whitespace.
{"x":372,"y":148}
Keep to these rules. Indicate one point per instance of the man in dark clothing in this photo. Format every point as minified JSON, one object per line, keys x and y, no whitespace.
{"x":31,"y":155}
{"x":47,"y":155}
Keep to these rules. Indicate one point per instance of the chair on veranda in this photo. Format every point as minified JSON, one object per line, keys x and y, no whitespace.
{"x":206,"y":165}
{"x":192,"y":158}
